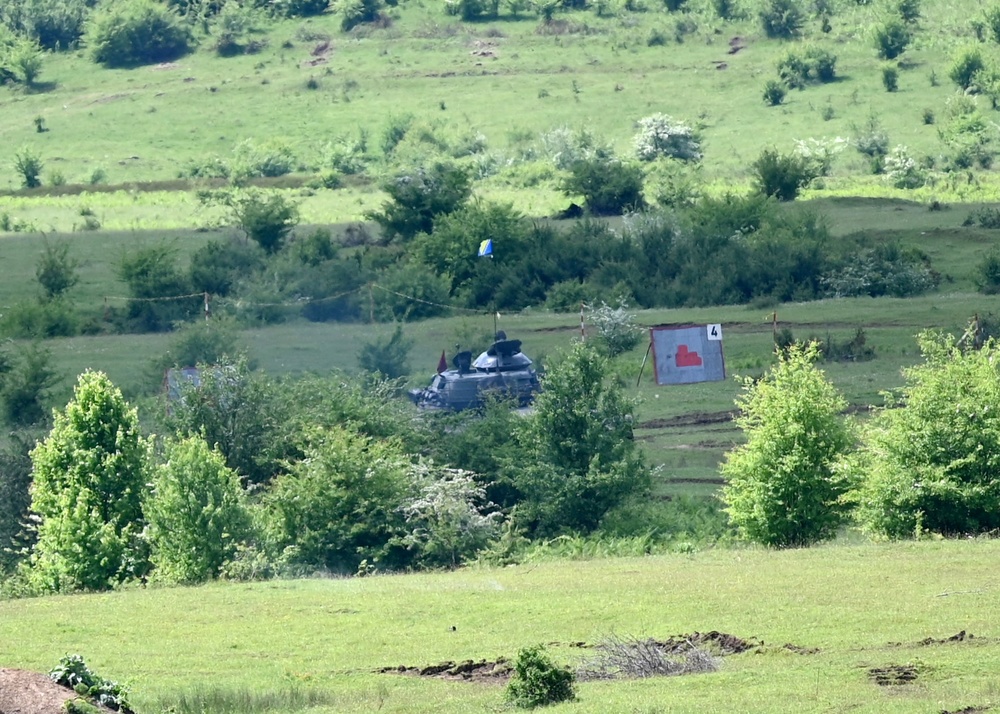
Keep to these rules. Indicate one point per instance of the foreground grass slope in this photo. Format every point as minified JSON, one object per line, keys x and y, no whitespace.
{"x":854,"y":608}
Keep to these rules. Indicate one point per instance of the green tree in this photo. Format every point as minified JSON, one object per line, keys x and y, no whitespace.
{"x":341,"y":503}
{"x":419,"y":197}
{"x":25,"y":382}
{"x":265,"y":218}
{"x":578,"y":458}
{"x":195,"y":512}
{"x":89,"y":477}
{"x":160,"y":293}
{"x":237,"y":411}
{"x":55,"y":270}
{"x":609,"y":187}
{"x":782,"y":487}
{"x":930,"y":460}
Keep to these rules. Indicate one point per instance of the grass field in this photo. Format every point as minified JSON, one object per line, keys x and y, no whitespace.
{"x":820,"y":619}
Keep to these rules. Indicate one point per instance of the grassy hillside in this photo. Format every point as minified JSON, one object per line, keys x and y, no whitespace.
{"x":820,"y":621}
{"x":510,"y":79}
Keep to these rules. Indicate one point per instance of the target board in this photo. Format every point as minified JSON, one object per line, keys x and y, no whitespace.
{"x":688,"y":353}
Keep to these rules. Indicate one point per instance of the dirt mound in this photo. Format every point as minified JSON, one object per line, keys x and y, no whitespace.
{"x":966,"y":710}
{"x":798,"y":649}
{"x":23,"y":692}
{"x":893,"y":675}
{"x":468,"y":670}
{"x":959,"y":637}
{"x":721,"y":642}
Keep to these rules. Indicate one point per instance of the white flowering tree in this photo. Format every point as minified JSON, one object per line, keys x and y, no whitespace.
{"x":820,"y":153}
{"x":661,"y":135}
{"x":447,"y":518}
{"x":901,"y":170}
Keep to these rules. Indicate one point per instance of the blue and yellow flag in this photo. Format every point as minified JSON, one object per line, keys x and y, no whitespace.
{"x":486,"y":248}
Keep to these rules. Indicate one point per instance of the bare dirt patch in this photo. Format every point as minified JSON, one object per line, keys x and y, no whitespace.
{"x":24,"y":692}
{"x":719,"y":642}
{"x":498,"y":670}
{"x":893,"y":675}
{"x":692,"y":419}
{"x":797,"y":649}
{"x":966,"y":710}
{"x":958,"y":637}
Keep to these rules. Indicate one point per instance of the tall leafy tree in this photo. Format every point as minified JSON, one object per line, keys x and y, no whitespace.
{"x":196,"y":512}
{"x":782,"y":486}
{"x":89,"y":476}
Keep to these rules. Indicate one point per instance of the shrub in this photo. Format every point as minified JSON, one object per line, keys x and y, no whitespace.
{"x":230,"y":26}
{"x":205,"y":342}
{"x":195,"y":512}
{"x":159,"y":293}
{"x":661,"y":136}
{"x":633,"y":658}
{"x":387,"y":357}
{"x":782,"y":19}
{"x":39,"y":319}
{"x":813,"y":64}
{"x":885,"y":269}
{"x":890,"y":77}
{"x":819,"y":153}
{"x":238,"y":412}
{"x":578,"y":459}
{"x":299,"y":8}
{"x":419,"y":197}
{"x":28,"y":164}
{"x":74,"y":674}
{"x":926,"y":459}
{"x":266,"y":159}
{"x":266,"y":218}
{"x":892,"y":37}
{"x":219,"y":265}
{"x":340,"y":505}
{"x":616,"y":328}
{"x":988,"y":273}
{"x":774,"y":92}
{"x":537,"y":681}
{"x":26,"y":58}
{"x":565,"y":147}
{"x":780,"y":175}
{"x":411,"y":292}
{"x":89,"y":477}
{"x":909,"y":10}
{"x":608,"y":186}
{"x":55,"y":270}
{"x":54,"y":24}
{"x":901,"y":170}
{"x":872,"y":141}
{"x":966,"y":64}
{"x":135,"y":32}
{"x":782,"y":489}
{"x":672,"y":184}
{"x":991,"y":18}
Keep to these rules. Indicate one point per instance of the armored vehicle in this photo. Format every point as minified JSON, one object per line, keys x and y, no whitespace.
{"x":502,"y":369}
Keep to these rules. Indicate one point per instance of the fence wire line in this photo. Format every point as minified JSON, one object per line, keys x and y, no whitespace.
{"x":428,"y":302}
{"x":239,"y":303}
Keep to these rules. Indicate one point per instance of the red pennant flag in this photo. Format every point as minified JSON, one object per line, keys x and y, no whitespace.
{"x":442,"y":363}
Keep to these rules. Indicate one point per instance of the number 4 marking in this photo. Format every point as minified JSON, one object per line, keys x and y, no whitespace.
{"x":715,"y":332}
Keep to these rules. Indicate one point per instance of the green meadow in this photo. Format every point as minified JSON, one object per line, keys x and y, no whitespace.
{"x":819,"y":622}
{"x":848,"y":626}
